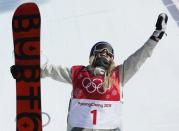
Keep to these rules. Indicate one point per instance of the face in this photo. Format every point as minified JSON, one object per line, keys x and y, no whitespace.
{"x":103,"y":59}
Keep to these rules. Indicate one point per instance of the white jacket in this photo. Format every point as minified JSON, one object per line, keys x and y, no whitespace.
{"x":129,"y":67}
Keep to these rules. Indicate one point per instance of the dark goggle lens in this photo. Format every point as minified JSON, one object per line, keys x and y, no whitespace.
{"x":107,"y":51}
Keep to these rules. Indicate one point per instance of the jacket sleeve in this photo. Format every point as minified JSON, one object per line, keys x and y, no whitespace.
{"x":59,"y":73}
{"x":131,"y":65}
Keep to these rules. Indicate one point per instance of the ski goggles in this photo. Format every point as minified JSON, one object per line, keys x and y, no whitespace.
{"x":102,"y":47}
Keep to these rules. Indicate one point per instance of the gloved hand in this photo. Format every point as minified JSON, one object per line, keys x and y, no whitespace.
{"x":14,"y":71}
{"x":160,"y":27}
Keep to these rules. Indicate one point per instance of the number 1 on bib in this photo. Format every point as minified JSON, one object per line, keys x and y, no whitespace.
{"x":94,"y":113}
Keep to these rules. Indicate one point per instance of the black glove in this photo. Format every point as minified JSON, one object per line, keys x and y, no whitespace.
{"x":160,"y":27}
{"x":14,"y":71}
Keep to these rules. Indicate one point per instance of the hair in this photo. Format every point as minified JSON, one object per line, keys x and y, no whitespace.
{"x":107,"y":76}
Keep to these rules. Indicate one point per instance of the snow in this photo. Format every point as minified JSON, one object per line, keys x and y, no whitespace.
{"x":69,"y":29}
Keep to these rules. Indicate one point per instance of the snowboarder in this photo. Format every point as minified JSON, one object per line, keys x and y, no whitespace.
{"x":97,"y":88}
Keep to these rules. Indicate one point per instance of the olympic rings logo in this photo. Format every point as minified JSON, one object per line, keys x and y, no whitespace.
{"x":93,"y":85}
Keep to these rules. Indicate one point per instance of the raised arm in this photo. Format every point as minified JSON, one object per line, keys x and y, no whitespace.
{"x":134,"y":62}
{"x":59,"y":73}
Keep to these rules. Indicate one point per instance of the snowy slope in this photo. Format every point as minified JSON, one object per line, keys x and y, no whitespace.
{"x":70,"y":28}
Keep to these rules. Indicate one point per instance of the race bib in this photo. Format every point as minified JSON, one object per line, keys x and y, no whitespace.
{"x":94,"y":114}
